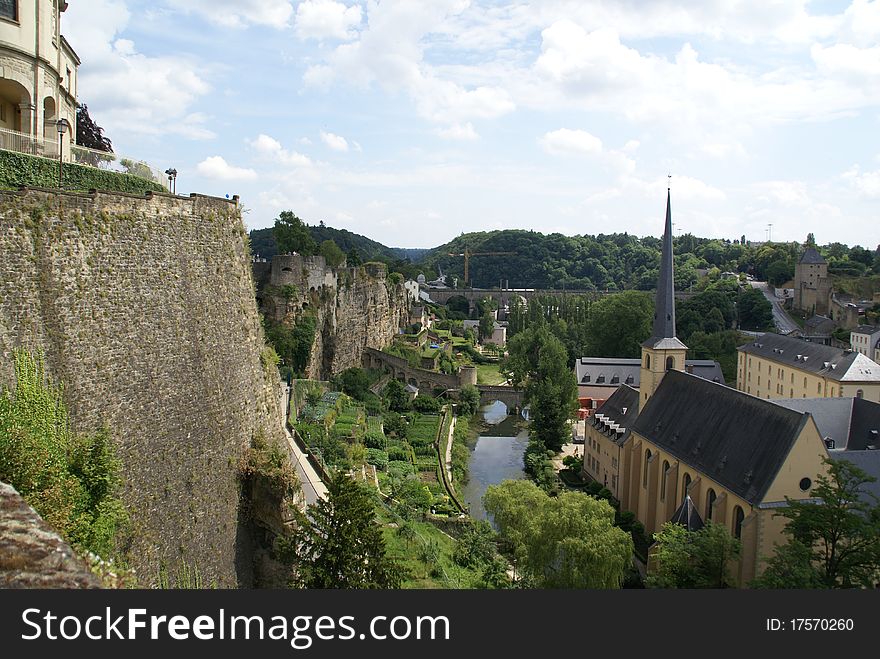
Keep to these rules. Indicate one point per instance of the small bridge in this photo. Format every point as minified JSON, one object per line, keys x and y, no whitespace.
{"x":400,"y":369}
{"x":511,"y":397}
{"x":503,"y":296}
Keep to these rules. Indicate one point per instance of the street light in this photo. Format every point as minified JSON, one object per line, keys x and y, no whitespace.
{"x":62,"y":125}
{"x":172,"y":177}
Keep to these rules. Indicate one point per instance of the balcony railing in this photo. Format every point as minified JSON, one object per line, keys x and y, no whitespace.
{"x":12,"y":140}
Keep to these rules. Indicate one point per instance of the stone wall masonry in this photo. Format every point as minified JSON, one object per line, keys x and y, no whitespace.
{"x":144,"y":308}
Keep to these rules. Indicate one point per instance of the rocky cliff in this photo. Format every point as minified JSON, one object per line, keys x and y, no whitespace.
{"x":144,"y":309}
{"x":353,"y":308}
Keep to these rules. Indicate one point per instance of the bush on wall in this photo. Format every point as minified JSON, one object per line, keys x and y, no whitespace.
{"x":18,"y":169}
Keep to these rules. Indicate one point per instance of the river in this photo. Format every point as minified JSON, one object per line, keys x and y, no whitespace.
{"x":495,"y":457}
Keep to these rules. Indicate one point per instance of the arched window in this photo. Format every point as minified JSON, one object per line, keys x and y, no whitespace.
{"x":860,"y":393}
{"x":685,"y":483}
{"x":645,"y":475}
{"x":670,"y":363}
{"x":710,"y":501}
{"x":648,"y":360}
{"x":738,"y":517}
{"x":663,"y":482}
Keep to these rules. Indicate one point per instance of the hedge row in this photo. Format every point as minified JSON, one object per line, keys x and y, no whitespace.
{"x":18,"y":169}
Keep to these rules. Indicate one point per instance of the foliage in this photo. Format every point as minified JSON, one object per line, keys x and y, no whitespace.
{"x":486,"y":326}
{"x":755,"y":311}
{"x":397,"y":397}
{"x":693,"y":559}
{"x":331,"y":253}
{"x":468,"y":400}
{"x":618,"y":324}
{"x":70,"y":480}
{"x":475,"y":545}
{"x":426,"y":405}
{"x":265,"y":460}
{"x":293,"y":344}
{"x":88,"y":133}
{"x":568,"y":541}
{"x":292,"y":235}
{"x":18,"y":169}
{"x":338,"y":543}
{"x":355,"y":382}
{"x":539,"y":364}
{"x":833,"y":542}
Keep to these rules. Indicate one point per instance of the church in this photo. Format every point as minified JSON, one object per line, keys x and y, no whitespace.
{"x":687,"y":447}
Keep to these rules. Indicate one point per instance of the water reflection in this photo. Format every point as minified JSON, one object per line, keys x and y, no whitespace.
{"x":495,"y":458}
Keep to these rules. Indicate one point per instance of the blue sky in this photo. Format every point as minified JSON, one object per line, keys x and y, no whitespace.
{"x":414,"y":121}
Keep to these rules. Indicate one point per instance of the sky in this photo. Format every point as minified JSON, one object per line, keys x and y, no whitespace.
{"x":413,"y":121}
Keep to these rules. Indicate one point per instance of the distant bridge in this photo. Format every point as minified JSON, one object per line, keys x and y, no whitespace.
{"x":511,"y":397}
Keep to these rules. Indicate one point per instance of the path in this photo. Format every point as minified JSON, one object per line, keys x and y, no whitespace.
{"x":449,"y":447}
{"x":784,"y":323}
{"x":312,"y":486}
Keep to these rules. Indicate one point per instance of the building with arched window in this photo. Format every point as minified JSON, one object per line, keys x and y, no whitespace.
{"x":38,"y":76}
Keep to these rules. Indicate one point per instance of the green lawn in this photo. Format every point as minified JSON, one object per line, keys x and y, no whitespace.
{"x":489,"y":374}
{"x":442,"y":574}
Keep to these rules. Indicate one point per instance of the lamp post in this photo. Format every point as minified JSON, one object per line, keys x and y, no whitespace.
{"x":63,"y":125}
{"x":172,"y":177}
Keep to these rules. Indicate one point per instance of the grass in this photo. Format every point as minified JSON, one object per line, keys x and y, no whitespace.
{"x":489,"y":374}
{"x":444,"y":573}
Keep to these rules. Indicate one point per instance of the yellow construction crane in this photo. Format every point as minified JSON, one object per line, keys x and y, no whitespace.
{"x":468,"y":254}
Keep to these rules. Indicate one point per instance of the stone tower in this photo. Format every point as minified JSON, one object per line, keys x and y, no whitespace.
{"x":812,"y":287}
{"x":663,"y":351}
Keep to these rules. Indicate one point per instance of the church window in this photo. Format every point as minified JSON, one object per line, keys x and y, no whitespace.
{"x":645,"y":475}
{"x":647,"y":361}
{"x":738,"y":517}
{"x":860,"y":393}
{"x":685,"y":483}
{"x":663,"y":482}
{"x":710,"y":502}
{"x":670,"y":363}
{"x":9,"y":9}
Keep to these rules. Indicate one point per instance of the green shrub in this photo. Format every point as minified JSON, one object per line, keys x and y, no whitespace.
{"x":18,"y":169}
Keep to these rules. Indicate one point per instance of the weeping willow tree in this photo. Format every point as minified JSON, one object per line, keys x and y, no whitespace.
{"x":568,"y":541}
{"x":69,"y":479}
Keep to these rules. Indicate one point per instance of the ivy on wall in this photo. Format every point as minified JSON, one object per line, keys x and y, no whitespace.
{"x":18,"y":169}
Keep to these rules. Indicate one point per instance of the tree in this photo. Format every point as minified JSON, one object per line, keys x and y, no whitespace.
{"x":292,"y":235}
{"x":697,"y":559}
{"x":88,"y":133}
{"x":395,"y":394}
{"x":354,"y":382}
{"x":755,"y":311}
{"x":833,"y":542}
{"x":487,"y":326}
{"x":468,"y":400}
{"x":353,"y":258}
{"x":539,"y":363}
{"x":332,"y":254}
{"x":338,"y":543}
{"x":619,"y":323}
{"x":568,"y":541}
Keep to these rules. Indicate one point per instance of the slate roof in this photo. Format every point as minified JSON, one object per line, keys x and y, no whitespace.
{"x":834,"y":363}
{"x":687,"y":515}
{"x":867,"y":461}
{"x":811,"y":256}
{"x":664,"y":301}
{"x":735,"y":439}
{"x":622,"y":409}
{"x":847,"y":421}
{"x":819,"y":325}
{"x":867,"y":329}
{"x":605,"y":371}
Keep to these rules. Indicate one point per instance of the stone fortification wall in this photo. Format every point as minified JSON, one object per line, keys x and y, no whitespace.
{"x":144,"y":309}
{"x":354,"y":308}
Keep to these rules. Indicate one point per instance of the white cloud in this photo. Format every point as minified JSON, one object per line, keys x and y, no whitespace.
{"x":866,"y":184}
{"x":570,"y":142}
{"x":334,"y":142}
{"x":462,"y":132}
{"x":128,"y":92}
{"x":216,"y":167}
{"x":326,"y":19}
{"x":270,"y":147}
{"x":631,"y":146}
{"x":238,"y":13}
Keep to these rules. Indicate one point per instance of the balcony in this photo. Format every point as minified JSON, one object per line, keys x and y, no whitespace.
{"x":11,"y":140}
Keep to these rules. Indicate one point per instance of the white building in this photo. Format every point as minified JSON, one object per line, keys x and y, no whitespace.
{"x":866,"y":340}
{"x":38,"y":73}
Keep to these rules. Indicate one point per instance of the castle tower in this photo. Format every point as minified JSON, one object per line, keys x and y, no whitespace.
{"x":812,"y":286}
{"x":663,"y":351}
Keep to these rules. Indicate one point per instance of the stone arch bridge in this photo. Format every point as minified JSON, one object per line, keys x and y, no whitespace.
{"x":400,"y":369}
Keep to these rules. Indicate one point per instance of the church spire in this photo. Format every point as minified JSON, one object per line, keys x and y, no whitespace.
{"x":664,"y":304}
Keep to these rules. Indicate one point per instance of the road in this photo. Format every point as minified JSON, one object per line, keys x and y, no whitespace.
{"x":784,"y":323}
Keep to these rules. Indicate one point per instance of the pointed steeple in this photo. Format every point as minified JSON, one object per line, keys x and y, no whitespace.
{"x":664,"y":304}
